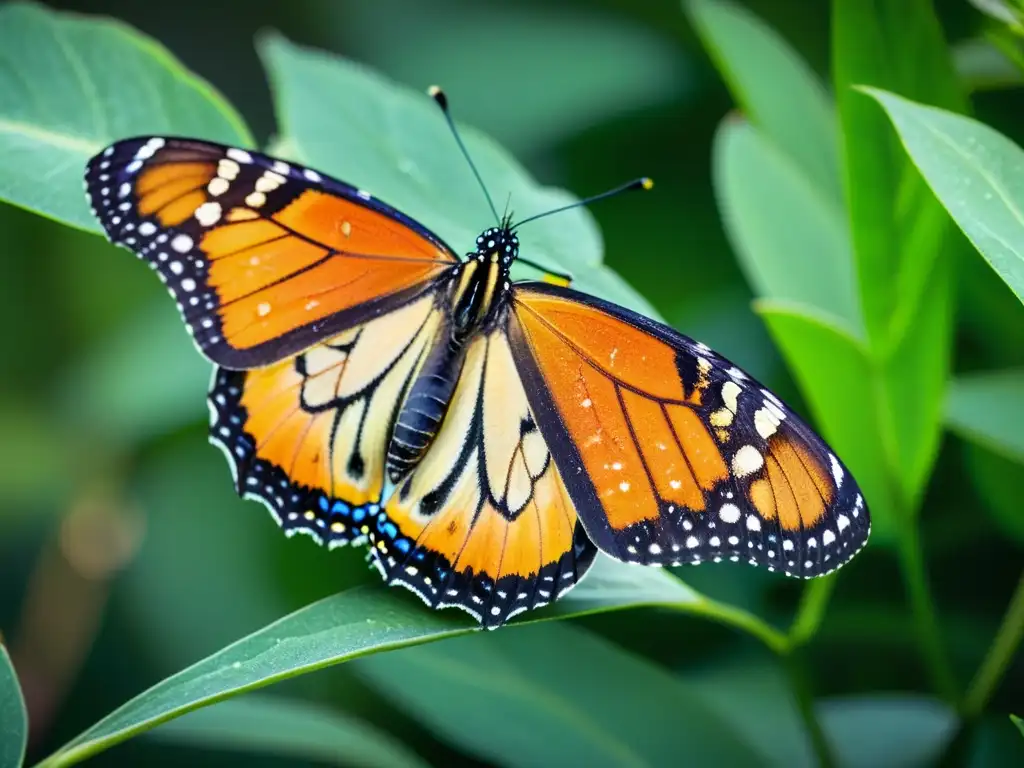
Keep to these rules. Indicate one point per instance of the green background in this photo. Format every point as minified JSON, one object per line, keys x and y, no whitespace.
{"x":790,"y":236}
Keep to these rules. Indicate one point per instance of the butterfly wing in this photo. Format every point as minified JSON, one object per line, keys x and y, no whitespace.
{"x":672,"y":454}
{"x":307,"y":436}
{"x":265,"y":258}
{"x":484,"y":522}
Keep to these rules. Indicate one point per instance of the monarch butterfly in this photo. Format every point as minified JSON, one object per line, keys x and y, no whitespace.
{"x":485,"y":437}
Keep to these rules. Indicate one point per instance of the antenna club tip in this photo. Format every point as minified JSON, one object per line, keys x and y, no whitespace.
{"x":646,"y":183}
{"x":438,"y":95}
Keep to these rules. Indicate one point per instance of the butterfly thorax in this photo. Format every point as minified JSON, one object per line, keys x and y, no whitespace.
{"x":476,"y":301}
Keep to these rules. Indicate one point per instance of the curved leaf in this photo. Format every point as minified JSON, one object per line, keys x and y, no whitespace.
{"x":792,"y":242}
{"x":776,"y":90}
{"x":988,"y":408}
{"x":367,"y":620}
{"x":975,"y":172}
{"x":581,"y":700}
{"x":298,"y":730}
{"x":13,"y":718}
{"x":73,"y":84}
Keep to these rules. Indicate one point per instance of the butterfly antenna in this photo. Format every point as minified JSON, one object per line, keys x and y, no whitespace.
{"x":442,"y":101}
{"x":643,"y":183}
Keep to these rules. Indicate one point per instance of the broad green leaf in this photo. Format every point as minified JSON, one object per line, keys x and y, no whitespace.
{"x":775,"y":88}
{"x":902,"y":249}
{"x":791,"y":240}
{"x":73,"y":84}
{"x":581,"y":701}
{"x":144,"y":381}
{"x":754,"y":697}
{"x":988,"y":408}
{"x":13,"y":718}
{"x":289,"y":729}
{"x":975,"y":172}
{"x":883,"y":194}
{"x":899,"y":730}
{"x":837,"y":377}
{"x":551,"y":73}
{"x":354,"y":124}
{"x":367,"y":620}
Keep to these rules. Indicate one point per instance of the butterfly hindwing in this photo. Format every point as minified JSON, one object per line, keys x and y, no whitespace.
{"x":672,"y":454}
{"x":484,"y":522}
{"x":265,"y":258}
{"x":307,"y":436}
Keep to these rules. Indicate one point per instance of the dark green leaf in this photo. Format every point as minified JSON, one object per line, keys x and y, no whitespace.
{"x":294,"y":730}
{"x":833,"y":368}
{"x":999,"y":482}
{"x":896,"y":730}
{"x":13,"y":718}
{"x":974,"y":171}
{"x":1018,"y":722}
{"x":73,"y":84}
{"x":352,"y":123}
{"x":791,"y":240}
{"x":988,"y":408}
{"x":776,"y":90}
{"x":364,"y":621}
{"x":580,"y":700}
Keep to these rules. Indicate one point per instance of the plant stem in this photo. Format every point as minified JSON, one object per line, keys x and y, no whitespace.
{"x":811,"y":611}
{"x":923,"y":609}
{"x":805,"y":707}
{"x":1004,"y":645}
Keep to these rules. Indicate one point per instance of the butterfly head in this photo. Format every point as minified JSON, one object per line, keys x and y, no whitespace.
{"x":497,"y":244}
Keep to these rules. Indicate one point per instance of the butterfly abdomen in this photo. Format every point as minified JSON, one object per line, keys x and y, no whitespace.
{"x":424,"y":408}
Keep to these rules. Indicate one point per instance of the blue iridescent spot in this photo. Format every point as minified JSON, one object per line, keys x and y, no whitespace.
{"x":340,"y":508}
{"x":402,"y":544}
{"x":358,"y":514}
{"x":324,"y":504}
{"x":420,"y":554}
{"x":389,"y":530}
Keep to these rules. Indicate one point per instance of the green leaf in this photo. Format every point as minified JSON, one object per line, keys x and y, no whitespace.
{"x":73,"y":84}
{"x":13,"y":718}
{"x":975,"y":172}
{"x":775,"y":88}
{"x":581,"y":700}
{"x":983,"y":66}
{"x":791,"y":240}
{"x":988,"y":409}
{"x":1018,"y":722}
{"x":902,"y":249}
{"x":835,"y":373}
{"x":293,"y":730}
{"x":367,"y":620}
{"x":891,"y":730}
{"x":885,"y":200}
{"x":593,"y":66}
{"x":354,"y":124}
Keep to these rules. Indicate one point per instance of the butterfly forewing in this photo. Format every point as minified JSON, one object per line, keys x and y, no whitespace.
{"x":672,"y":454}
{"x":265,"y":258}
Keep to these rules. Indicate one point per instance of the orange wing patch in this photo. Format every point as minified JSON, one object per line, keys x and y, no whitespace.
{"x":308,"y":436}
{"x":484,"y":522}
{"x":672,"y":454}
{"x":265,"y":258}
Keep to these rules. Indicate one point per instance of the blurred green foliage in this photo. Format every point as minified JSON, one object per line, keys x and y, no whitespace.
{"x":789,"y":214}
